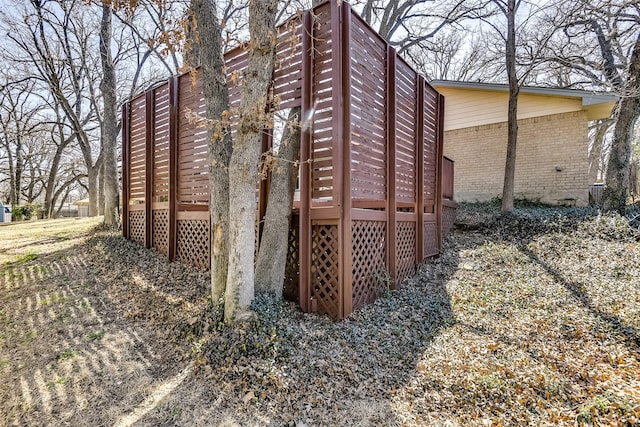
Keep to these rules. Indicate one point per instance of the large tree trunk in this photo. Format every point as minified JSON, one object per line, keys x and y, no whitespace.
{"x":243,"y":169}
{"x":627,"y":112}
{"x":274,"y":244}
{"x":216,"y":94}
{"x":109,"y":128}
{"x":512,"y":116}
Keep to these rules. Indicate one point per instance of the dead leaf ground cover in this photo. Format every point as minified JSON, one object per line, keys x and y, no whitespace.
{"x":530,"y":319}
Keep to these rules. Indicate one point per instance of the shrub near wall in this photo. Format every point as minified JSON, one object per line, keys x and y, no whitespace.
{"x":18,"y":213}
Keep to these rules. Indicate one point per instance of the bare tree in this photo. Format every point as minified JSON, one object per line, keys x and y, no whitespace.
{"x":55,"y":40}
{"x":18,"y":120}
{"x":109,"y":128}
{"x":206,"y":39}
{"x":509,"y":9}
{"x":243,"y":166}
{"x":601,"y":43}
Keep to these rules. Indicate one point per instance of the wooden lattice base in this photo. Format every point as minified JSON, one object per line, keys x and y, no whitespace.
{"x":291,"y":290}
{"x":137,"y":226}
{"x":370,"y":274}
{"x":448,"y":218}
{"x":430,"y":239}
{"x":325,"y":270}
{"x":161,"y":231}
{"x":406,"y":249}
{"x":193,"y":243}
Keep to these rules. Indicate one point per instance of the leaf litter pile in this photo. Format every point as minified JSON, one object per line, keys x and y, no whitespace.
{"x":527,"y":319}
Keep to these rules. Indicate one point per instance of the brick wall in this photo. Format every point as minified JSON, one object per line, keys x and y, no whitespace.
{"x":551,"y":159}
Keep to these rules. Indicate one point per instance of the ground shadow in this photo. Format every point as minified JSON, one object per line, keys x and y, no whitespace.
{"x":579,"y":292}
{"x":70,"y":351}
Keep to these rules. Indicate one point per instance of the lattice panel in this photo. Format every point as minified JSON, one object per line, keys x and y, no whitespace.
{"x":291,"y":290}
{"x":430,"y":239}
{"x":368,"y":260}
{"x":193,"y":243}
{"x":325,"y":281}
{"x":161,"y":230}
{"x":448,"y":218}
{"x":405,"y":249}
{"x":137,"y":226}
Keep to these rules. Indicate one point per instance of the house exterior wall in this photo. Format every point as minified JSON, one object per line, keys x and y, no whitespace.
{"x":551,"y":159}
{"x":466,"y":108}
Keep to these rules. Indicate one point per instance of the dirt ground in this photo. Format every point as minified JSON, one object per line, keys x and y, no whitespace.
{"x":532,"y":320}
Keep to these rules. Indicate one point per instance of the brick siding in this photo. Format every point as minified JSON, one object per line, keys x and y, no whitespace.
{"x":551,"y":159}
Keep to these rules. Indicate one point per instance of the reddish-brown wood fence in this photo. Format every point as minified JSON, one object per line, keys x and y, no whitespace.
{"x":373,"y":181}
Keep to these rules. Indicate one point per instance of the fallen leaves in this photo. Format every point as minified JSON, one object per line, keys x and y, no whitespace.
{"x":529,"y":319}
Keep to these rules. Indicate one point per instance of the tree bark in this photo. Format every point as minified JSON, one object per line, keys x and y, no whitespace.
{"x":92,"y":178}
{"x":274,"y":244}
{"x":627,"y":112}
{"x":595,"y":154}
{"x":109,"y":127}
{"x":512,"y":115}
{"x":243,"y":169}
{"x":216,"y":96}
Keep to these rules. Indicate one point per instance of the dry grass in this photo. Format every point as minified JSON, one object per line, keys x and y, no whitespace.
{"x":533,"y":319}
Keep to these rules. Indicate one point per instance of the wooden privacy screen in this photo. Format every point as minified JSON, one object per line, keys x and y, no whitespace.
{"x":375,"y":195}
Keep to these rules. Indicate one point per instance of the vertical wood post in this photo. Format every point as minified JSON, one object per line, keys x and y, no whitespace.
{"x":173,"y":162}
{"x":420,"y":170}
{"x":126,"y":166}
{"x":345,"y":141}
{"x":341,"y":130}
{"x":304,"y":244}
{"x":149,"y":147}
{"x":439,"y":156}
{"x":392,"y":256}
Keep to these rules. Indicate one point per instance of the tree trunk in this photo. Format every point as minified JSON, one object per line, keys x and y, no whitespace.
{"x":51,"y":182}
{"x":274,"y":244}
{"x":618,"y":168}
{"x":101,"y":191}
{"x":243,"y":169}
{"x":17,"y":182}
{"x":12,"y":177}
{"x":216,"y":97}
{"x":595,"y":154}
{"x":92,"y":175}
{"x":109,"y":128}
{"x":512,"y":116}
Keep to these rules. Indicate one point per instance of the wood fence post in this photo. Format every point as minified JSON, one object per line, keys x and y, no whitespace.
{"x":126,"y":166}
{"x":345,"y":142}
{"x":392,"y":256}
{"x":174,"y":88}
{"x":439,"y":156}
{"x":149,"y":147}
{"x":420,"y":170}
{"x":304,"y":227}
